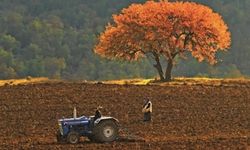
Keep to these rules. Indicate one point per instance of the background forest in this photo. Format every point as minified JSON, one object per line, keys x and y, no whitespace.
{"x":55,"y":38}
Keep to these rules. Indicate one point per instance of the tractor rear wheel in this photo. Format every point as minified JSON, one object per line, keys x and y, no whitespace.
{"x":106,"y":131}
{"x":73,"y":137}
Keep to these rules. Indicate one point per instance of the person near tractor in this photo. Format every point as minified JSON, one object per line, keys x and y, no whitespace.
{"x":98,"y":113}
{"x":147,"y":110}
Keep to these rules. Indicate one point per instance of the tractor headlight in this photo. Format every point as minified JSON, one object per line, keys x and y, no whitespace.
{"x":60,"y":127}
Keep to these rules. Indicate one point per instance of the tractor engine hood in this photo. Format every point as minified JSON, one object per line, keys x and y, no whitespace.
{"x":73,"y":121}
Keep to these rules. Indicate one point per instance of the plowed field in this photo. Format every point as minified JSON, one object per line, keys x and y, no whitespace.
{"x":185,"y":116}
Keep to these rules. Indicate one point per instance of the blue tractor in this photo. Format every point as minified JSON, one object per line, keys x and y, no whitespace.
{"x":97,"y":128}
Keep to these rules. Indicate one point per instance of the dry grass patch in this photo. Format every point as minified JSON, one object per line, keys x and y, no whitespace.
{"x":23,"y":81}
{"x":183,"y":81}
{"x":130,"y":81}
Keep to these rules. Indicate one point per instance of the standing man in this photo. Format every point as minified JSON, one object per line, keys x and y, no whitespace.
{"x":147,"y":110}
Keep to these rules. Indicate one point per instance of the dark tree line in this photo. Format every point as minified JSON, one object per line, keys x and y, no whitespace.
{"x":55,"y":38}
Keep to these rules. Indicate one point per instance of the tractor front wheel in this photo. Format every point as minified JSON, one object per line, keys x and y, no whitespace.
{"x":73,"y":137}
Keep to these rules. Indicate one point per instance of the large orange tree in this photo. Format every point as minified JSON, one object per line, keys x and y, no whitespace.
{"x":167,"y":29}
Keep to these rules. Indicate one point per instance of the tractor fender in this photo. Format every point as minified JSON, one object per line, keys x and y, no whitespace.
{"x":97,"y":121}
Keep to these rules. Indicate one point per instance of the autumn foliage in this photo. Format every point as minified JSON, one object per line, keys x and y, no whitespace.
{"x":166,"y":29}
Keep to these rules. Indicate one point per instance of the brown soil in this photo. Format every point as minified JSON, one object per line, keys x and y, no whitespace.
{"x":185,"y":116}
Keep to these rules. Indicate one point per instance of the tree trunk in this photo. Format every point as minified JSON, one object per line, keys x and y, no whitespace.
{"x":158,"y":66}
{"x":169,"y":70}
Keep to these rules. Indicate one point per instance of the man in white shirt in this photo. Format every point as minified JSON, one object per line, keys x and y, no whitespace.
{"x":147,"y":110}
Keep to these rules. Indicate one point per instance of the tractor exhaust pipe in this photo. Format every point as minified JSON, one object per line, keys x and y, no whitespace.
{"x":74,"y":113}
